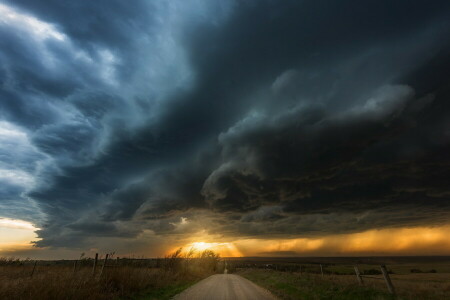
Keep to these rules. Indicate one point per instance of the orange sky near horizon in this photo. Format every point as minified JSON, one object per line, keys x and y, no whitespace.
{"x":393,"y":241}
{"x":16,"y":236}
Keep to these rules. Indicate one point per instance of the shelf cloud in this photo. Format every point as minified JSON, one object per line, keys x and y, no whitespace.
{"x":128,"y":122}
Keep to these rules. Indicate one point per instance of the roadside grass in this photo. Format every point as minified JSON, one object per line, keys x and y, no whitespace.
{"x":121,"y":279}
{"x":55,"y":283}
{"x":310,"y":286}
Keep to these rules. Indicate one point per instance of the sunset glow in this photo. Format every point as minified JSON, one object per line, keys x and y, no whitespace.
{"x":201,"y":246}
{"x":16,"y":235}
{"x":227,"y":249}
{"x":398,"y":241}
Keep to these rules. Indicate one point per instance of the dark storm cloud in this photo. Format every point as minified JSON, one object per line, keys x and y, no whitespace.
{"x":243,"y":117}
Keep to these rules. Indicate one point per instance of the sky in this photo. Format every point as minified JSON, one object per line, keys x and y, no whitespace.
{"x":253,"y":128}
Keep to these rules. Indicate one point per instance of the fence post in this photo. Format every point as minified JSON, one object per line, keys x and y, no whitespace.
{"x":358,"y":275}
{"x":34,"y":268}
{"x":75,"y":266}
{"x":300,"y":269}
{"x":95,"y":264}
{"x":321,"y":270}
{"x":387,"y":279}
{"x":104,"y":264}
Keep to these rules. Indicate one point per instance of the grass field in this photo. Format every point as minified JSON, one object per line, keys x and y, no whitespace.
{"x":124,"y":279}
{"x":413,"y":278}
{"x":54,"y":282}
{"x":313,"y":286}
{"x":145,"y":279}
{"x":294,"y":286}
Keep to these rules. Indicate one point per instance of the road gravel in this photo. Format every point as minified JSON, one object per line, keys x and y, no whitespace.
{"x":225,"y":287}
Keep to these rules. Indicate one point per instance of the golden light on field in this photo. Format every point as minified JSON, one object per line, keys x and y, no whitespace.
{"x":16,"y":235}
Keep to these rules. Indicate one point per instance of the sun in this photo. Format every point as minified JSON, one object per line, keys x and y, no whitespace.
{"x":223,"y":249}
{"x":202,"y":246}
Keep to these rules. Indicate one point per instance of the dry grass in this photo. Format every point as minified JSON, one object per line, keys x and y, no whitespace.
{"x":407,"y":286}
{"x":312,"y":286}
{"x":118,"y":281}
{"x":426,"y":277}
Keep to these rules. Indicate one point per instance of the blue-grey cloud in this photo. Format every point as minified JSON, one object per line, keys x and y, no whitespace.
{"x":232,"y":114}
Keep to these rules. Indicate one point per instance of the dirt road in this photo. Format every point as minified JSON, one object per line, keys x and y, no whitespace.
{"x":225,"y":287}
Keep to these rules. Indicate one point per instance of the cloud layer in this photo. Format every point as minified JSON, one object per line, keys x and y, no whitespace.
{"x":239,"y":118}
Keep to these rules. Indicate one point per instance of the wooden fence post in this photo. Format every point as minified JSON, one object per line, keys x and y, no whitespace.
{"x":104,"y":264}
{"x":95,"y":264}
{"x":387,"y":279}
{"x":321,"y":270}
{"x":75,"y":266}
{"x":358,"y":275}
{"x":34,"y":268}
{"x":300,"y":270}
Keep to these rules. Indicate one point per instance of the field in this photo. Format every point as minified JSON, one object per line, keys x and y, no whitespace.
{"x":287,"y":278}
{"x":412,"y":277}
{"x":120,"y":278}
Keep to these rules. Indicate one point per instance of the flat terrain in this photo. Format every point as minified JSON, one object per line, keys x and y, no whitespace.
{"x":294,"y":285}
{"x":225,"y":287}
{"x":414,"y":278}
